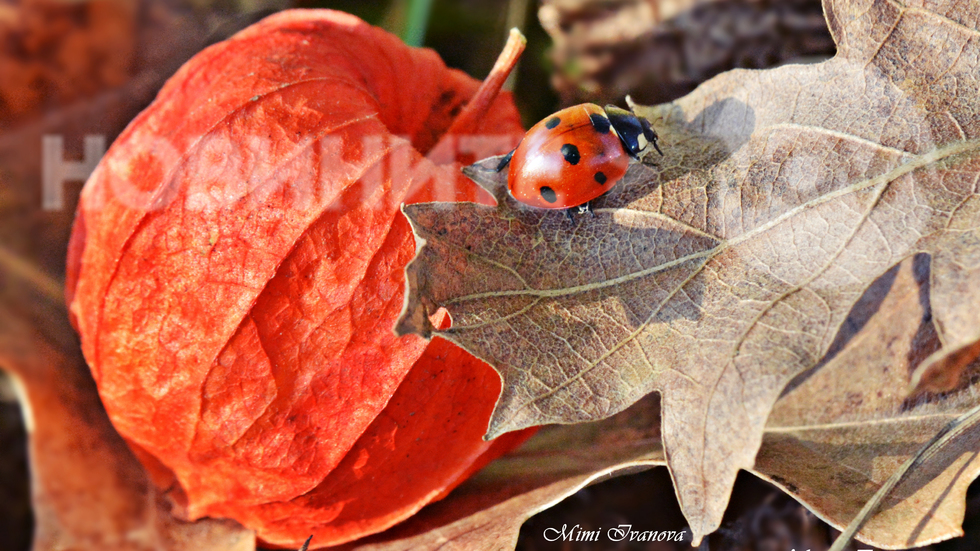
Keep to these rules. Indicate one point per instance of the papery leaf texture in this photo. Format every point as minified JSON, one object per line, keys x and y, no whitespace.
{"x":721,"y":273}
{"x":836,"y":434}
{"x":237,"y":263}
{"x":841,"y":430}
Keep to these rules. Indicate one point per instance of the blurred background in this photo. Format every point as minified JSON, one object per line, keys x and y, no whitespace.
{"x":77,"y":68}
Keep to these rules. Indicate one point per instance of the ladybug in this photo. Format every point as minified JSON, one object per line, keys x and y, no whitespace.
{"x":576,"y":155}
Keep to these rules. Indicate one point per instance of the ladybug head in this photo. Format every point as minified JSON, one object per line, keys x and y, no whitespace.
{"x":635,"y":132}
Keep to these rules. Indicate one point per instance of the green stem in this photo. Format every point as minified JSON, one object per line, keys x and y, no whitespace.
{"x":418,"y":20}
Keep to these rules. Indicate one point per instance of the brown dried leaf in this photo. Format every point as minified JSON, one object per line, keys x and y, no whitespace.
{"x":830,"y":442}
{"x":486,"y":512}
{"x":658,"y":50}
{"x":719,"y":277}
{"x":840,"y":431}
{"x":89,"y":491}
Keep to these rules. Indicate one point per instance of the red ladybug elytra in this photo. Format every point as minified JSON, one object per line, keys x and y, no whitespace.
{"x":576,"y":155}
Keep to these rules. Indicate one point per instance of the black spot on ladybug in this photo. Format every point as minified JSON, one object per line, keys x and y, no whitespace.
{"x":600,"y":177}
{"x":570,"y":152}
{"x":600,"y":123}
{"x":548,"y":194}
{"x":446,"y":96}
{"x":552,"y":122}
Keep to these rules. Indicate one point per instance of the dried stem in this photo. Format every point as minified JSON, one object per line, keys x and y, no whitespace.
{"x":469,"y":119}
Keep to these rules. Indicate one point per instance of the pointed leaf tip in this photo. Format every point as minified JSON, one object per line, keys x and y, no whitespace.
{"x":486,"y":174}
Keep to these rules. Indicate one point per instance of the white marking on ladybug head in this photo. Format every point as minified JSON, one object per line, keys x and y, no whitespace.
{"x":642,"y":141}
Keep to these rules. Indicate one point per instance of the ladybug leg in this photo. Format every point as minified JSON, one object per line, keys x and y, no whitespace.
{"x":581,"y":209}
{"x":505,"y":161}
{"x":645,"y":160}
{"x":648,"y":160}
{"x":586,"y":208}
{"x":653,"y":142}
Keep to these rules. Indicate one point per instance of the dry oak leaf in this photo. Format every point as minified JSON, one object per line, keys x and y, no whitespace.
{"x":842,"y":430}
{"x":88,"y":491}
{"x":237,"y":262}
{"x":835,"y":435}
{"x":718,"y":276}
